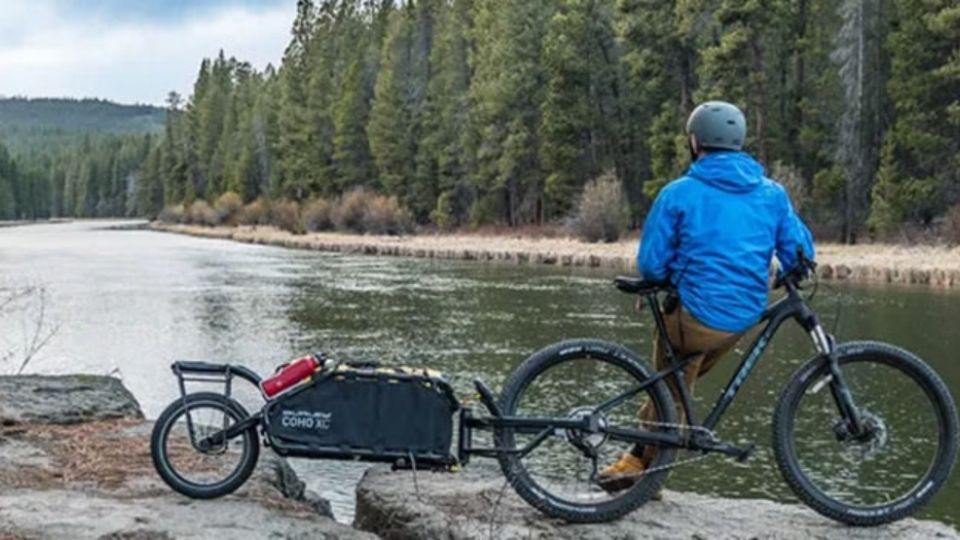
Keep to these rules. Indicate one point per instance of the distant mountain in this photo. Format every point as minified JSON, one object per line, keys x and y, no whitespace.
{"x":45,"y":124}
{"x":72,"y":115}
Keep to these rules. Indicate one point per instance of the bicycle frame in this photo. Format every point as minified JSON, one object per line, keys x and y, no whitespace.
{"x":791,"y":306}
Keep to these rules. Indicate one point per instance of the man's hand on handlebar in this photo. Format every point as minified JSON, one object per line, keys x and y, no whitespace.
{"x":803,"y":269}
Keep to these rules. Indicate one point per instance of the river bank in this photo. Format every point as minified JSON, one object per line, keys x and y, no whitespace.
{"x":21,"y":222}
{"x":934,"y":266}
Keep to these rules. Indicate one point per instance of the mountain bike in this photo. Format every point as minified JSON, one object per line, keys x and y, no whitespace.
{"x":864,"y":432}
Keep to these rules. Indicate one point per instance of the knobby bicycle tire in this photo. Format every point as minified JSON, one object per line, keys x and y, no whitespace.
{"x":167,"y":472}
{"x":542,"y":499}
{"x":908,"y":503}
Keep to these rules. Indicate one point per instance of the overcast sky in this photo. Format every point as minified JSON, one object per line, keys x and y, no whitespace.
{"x":131,"y":51}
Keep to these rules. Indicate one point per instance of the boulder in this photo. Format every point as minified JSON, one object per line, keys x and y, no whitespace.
{"x":471,"y":505}
{"x":38,"y":501}
{"x":64,"y":399}
{"x":60,"y":513}
{"x":75,"y":463}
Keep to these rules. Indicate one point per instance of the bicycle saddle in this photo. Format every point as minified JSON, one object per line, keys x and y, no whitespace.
{"x":634,"y":285}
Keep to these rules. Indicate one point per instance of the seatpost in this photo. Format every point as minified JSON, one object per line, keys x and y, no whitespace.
{"x":654,"y":302}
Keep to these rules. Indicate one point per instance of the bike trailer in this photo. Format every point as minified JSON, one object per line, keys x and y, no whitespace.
{"x":366,"y":412}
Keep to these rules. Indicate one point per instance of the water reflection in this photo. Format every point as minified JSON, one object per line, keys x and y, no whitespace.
{"x":136,"y":300}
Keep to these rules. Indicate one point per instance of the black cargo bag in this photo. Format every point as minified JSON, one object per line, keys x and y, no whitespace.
{"x":366,"y":412}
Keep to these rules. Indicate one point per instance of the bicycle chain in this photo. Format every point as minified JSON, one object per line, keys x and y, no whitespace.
{"x":677,"y":463}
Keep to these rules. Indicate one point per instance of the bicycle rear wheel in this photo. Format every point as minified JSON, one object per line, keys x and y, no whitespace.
{"x":197,"y":471}
{"x":568,"y":380}
{"x":901,"y":460}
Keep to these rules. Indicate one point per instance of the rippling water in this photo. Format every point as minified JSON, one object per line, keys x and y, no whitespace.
{"x":131,"y":301}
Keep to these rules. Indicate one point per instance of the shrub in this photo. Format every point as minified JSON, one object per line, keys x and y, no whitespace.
{"x":256,"y":213}
{"x":286,"y":215}
{"x":349,"y":213}
{"x":384,"y":215}
{"x":318,"y":215}
{"x":173,"y":213}
{"x":200,"y":213}
{"x":602,"y":213}
{"x":442,"y":215}
{"x":951,"y":225}
{"x":228,"y":208}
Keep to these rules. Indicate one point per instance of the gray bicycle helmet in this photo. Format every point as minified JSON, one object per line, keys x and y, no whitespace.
{"x":718,"y":124}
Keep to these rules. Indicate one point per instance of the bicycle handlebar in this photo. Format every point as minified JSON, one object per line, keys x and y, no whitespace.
{"x":803,"y":268}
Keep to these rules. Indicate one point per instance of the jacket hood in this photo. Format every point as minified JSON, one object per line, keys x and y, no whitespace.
{"x":730,"y":171}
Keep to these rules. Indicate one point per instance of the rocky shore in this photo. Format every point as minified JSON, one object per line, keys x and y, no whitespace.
{"x":75,"y":464}
{"x":472,"y":506}
{"x":936,"y":266}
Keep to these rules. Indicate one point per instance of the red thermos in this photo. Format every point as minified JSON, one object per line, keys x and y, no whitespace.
{"x":289,"y":375}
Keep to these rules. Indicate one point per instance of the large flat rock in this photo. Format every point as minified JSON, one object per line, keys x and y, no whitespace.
{"x":59,"y":514}
{"x":48,"y":492}
{"x":75,"y":464}
{"x":64,"y":399}
{"x":469,"y":505}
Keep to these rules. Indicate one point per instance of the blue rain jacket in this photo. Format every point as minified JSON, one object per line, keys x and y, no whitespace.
{"x":713,"y":232}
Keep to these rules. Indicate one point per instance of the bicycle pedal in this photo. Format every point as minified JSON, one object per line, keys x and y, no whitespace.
{"x":745,"y":453}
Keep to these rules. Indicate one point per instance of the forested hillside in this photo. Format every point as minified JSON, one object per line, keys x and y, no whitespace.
{"x":496,"y":111}
{"x":66,"y":157}
{"x":89,"y":115}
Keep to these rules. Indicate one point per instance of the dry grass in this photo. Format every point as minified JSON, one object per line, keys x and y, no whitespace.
{"x":96,"y":453}
{"x":881,"y":263}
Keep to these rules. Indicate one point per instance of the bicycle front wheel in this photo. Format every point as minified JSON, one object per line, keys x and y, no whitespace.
{"x":569,"y":380}
{"x":896,"y":464}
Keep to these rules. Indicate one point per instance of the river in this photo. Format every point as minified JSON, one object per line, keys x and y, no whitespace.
{"x":129,"y":302}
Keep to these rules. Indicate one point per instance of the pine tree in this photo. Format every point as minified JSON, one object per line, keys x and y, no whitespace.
{"x":506,"y":92}
{"x":446,"y":154}
{"x":918,"y":173}
{"x":661,"y":40}
{"x":567,"y":120}
{"x":856,"y":155}
{"x":734,"y":68}
{"x":390,"y":130}
{"x":8,"y":209}
{"x":296,"y":136}
{"x":351,"y":147}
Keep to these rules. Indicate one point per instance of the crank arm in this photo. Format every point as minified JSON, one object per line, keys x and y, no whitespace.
{"x":741,"y":454}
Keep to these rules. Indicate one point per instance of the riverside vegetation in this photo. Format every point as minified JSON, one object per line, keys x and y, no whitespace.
{"x":469,"y":113}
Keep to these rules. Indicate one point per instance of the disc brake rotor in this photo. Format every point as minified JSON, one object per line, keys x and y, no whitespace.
{"x":873,"y":440}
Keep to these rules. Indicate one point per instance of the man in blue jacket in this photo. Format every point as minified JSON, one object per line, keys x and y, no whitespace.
{"x":712,"y":233}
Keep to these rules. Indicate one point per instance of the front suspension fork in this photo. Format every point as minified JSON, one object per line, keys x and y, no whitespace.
{"x":826,"y":346}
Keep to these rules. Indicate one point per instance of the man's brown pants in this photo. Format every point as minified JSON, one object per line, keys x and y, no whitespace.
{"x":688,"y":336}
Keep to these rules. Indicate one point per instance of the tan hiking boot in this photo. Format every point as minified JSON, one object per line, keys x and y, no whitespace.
{"x":623,"y":474}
